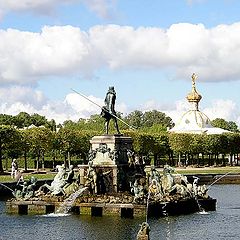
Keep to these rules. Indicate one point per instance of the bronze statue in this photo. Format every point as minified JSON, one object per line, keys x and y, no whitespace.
{"x":143,"y":233}
{"x":91,"y":178}
{"x":108,"y":111}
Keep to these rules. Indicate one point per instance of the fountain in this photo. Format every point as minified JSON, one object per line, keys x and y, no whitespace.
{"x":175,"y":195}
{"x":69,"y":202}
{"x":115,"y":181}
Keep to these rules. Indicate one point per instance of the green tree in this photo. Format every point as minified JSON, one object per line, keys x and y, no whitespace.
{"x":6,"y":119}
{"x":69,"y":124}
{"x":96,"y":123}
{"x":232,"y":126}
{"x":233,"y":146}
{"x":155,"y":117}
{"x":214,"y":145}
{"x":142,"y":142}
{"x":149,"y":121}
{"x":161,"y":145}
{"x":40,"y":139}
{"x":73,"y":142}
{"x":25,"y":145}
{"x":221,"y":123}
{"x":180,"y":142}
{"x":22,"y":120}
{"x":8,"y":136}
{"x":38,"y":120}
{"x":135,"y":119}
{"x":52,"y":125}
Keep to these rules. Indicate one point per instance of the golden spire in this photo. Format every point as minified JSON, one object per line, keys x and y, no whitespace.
{"x":194,"y":96}
{"x":194,"y":78}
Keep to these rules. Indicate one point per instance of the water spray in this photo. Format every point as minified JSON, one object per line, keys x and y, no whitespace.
{"x":219,"y":178}
{"x":147,"y":205}
{"x":6,"y":187}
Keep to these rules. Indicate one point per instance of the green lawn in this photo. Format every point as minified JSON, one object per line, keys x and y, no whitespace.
{"x":188,"y":170}
{"x":47,"y":176}
{"x":209,"y":170}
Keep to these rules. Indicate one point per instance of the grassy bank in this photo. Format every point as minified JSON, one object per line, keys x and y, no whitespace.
{"x":208,"y":170}
{"x":205,"y":170}
{"x":188,"y":170}
{"x":45,"y":176}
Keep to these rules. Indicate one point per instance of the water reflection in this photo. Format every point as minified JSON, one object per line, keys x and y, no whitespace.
{"x":222,"y":224}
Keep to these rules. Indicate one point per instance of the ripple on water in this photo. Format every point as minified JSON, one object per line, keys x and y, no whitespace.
{"x":221,"y":224}
{"x":56,"y":215}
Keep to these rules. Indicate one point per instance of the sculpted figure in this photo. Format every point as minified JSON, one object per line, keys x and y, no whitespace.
{"x":138,"y":191}
{"x":108,"y":111}
{"x":69,"y":181}
{"x":130,"y":155}
{"x":70,"y":175}
{"x":143,"y":233}
{"x":167,"y":179}
{"x":91,"y":178}
{"x":154,"y":175}
{"x":31,"y":188}
{"x":103,"y":181}
{"x":182,"y":186}
{"x":20,"y":194}
{"x":154,"y":190}
{"x":27,"y":191}
{"x":203,"y":192}
{"x":195,"y":186}
{"x":57,"y":184}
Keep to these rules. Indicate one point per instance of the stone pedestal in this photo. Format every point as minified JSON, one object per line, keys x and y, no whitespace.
{"x":109,"y":158}
{"x":108,"y":173}
{"x":110,"y":149}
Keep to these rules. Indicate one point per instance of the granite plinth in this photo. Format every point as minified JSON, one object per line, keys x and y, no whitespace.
{"x":111,"y":149}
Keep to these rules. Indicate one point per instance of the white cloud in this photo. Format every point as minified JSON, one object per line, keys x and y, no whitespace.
{"x":27,"y":57}
{"x":82,"y":105}
{"x":24,"y":95}
{"x":102,"y":8}
{"x":46,"y":7}
{"x":24,"y":99}
{"x":86,"y":108}
{"x":65,"y":50}
{"x":226,"y":109}
{"x":38,"y":6}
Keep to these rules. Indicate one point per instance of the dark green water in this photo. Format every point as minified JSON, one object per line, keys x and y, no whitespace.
{"x":220,"y":225}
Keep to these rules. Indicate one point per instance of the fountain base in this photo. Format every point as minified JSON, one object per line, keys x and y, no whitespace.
{"x":181,"y":207}
{"x":96,"y":206}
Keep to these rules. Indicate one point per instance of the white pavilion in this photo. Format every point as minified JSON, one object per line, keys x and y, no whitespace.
{"x":195,"y":121}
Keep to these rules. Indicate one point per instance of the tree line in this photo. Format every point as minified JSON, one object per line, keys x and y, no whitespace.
{"x":71,"y":139}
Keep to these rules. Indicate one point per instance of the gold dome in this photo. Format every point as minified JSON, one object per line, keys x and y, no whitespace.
{"x":194,"y":96}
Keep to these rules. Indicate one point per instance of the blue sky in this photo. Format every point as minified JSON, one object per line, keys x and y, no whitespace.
{"x":148,"y":50}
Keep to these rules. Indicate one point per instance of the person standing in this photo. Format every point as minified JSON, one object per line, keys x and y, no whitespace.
{"x":14,"y":168}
